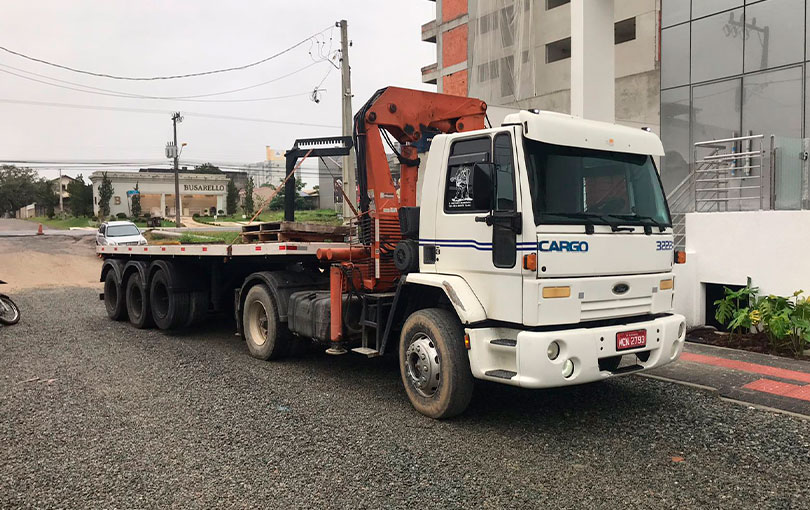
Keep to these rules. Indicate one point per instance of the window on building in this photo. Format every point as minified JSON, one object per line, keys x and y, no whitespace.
{"x":493,"y":69}
{"x":507,"y":76}
{"x":558,"y":50}
{"x":508,"y":26}
{"x":483,"y":72}
{"x":775,"y":34}
{"x":527,"y":4}
{"x":551,"y":4}
{"x":675,"y":56}
{"x":488,"y":22}
{"x":624,"y":30}
{"x":717,"y":48}
{"x":702,"y":8}
{"x":674,"y":12}
{"x":524,"y":56}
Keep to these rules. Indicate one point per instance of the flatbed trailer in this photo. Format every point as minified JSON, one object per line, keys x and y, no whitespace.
{"x":540,"y":255}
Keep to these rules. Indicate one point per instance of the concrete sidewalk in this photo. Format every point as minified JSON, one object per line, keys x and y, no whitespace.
{"x":772,"y":382}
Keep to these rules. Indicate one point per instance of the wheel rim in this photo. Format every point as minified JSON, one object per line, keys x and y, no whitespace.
{"x":257,"y":322}
{"x":423,"y":365}
{"x":8,"y":312}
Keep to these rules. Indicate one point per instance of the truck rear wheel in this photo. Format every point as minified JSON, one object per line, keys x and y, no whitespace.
{"x":266,"y":337}
{"x":434,"y":365}
{"x":114,"y":300}
{"x":137,"y":295}
{"x":169,"y":308}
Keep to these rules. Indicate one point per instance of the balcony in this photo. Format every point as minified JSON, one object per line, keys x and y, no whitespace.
{"x":429,"y":31}
{"x":430,"y":74}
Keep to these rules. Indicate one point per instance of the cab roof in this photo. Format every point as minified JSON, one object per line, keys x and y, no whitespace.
{"x":567,"y":130}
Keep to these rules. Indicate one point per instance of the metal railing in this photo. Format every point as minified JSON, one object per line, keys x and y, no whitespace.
{"x":730,"y":178}
{"x":727,"y":175}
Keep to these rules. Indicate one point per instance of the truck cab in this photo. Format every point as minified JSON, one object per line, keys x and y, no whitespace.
{"x":559,"y":228}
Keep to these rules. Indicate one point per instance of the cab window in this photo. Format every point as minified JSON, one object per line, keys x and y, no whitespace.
{"x":464,"y":154}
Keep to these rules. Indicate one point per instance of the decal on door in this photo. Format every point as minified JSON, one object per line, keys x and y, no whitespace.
{"x":460,"y":177}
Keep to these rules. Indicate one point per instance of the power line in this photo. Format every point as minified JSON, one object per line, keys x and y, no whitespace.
{"x":169,"y":77}
{"x":132,"y":96}
{"x":160,"y":112}
{"x":142,"y":96}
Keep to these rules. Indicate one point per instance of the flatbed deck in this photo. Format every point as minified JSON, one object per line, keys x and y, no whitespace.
{"x":220,"y":250}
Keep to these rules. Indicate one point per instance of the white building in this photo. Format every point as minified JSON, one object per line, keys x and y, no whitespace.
{"x":199,"y":193}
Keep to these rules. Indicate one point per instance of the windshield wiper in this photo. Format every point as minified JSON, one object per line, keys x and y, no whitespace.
{"x":590,"y":217}
{"x":649,"y":219}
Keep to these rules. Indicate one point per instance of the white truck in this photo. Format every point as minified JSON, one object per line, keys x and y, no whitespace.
{"x":540,"y":256}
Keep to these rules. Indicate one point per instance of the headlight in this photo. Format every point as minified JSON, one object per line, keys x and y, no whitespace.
{"x":111,"y":243}
{"x":142,"y":242}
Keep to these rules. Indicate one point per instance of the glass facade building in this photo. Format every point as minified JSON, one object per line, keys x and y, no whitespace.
{"x":731,"y":68}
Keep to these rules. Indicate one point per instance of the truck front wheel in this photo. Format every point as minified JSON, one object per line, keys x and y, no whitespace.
{"x":266,"y":337}
{"x":434,"y":365}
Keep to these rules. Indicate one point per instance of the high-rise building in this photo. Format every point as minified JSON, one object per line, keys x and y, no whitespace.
{"x":517,"y":53}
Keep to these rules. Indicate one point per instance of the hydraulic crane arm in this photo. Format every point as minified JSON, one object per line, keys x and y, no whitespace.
{"x":405,"y":114}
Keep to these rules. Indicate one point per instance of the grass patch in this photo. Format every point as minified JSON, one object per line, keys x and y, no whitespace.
{"x":324,"y":216}
{"x":66,"y":223}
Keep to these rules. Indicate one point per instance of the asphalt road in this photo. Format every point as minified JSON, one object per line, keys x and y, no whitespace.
{"x":96,"y":414}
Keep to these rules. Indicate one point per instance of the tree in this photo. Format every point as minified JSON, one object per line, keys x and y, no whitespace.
{"x":248,"y":205}
{"x":136,"y":203}
{"x":232,"y":198}
{"x":81,"y":197}
{"x":207,"y":168}
{"x":17,"y":188}
{"x":105,"y":193}
{"x":300,"y":202}
{"x":46,"y":197}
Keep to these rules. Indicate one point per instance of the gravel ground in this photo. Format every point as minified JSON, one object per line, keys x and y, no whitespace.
{"x":121,"y":418}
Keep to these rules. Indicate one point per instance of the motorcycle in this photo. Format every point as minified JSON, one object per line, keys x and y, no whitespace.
{"x":9,"y":311}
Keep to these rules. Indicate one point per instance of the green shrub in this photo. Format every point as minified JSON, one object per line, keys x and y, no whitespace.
{"x":121,"y":216}
{"x":784,"y":320}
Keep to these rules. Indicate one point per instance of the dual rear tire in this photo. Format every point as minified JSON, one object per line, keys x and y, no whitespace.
{"x":161,"y":300}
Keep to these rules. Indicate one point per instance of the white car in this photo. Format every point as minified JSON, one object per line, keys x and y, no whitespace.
{"x":119,"y":233}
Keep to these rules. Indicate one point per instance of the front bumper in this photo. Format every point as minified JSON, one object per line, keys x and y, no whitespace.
{"x":520,"y":358}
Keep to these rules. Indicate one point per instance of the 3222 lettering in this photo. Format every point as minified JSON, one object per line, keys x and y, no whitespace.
{"x":664,"y":246}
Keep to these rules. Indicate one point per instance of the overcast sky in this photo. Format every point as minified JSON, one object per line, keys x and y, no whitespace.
{"x":167,"y":37}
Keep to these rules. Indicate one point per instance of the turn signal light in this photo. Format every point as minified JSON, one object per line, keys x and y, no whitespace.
{"x":666,"y":284}
{"x":530,"y":262}
{"x":556,"y":292}
{"x":467,"y":342}
{"x":680,"y":257}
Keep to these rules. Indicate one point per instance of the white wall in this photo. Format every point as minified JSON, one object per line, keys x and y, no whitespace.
{"x":771,"y":247}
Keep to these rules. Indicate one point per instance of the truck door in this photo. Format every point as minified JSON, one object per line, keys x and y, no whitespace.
{"x":481,"y":245}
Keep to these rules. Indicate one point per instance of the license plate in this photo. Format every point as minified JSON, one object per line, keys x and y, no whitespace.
{"x":631,"y":339}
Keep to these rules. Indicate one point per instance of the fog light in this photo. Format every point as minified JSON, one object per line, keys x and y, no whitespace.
{"x":681,"y":329}
{"x":568,"y":368}
{"x":553,"y":350}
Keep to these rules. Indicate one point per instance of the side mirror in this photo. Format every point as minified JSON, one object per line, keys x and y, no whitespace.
{"x":482,"y":186}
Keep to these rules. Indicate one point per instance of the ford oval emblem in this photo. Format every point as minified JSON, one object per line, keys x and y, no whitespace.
{"x":620,"y":288}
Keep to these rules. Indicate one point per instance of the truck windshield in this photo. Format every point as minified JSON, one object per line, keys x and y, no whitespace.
{"x":122,"y":230}
{"x":572,"y":185}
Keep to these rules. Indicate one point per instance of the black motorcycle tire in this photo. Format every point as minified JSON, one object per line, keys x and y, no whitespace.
{"x":14,"y":318}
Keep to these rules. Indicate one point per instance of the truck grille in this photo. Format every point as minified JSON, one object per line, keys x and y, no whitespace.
{"x":591,"y":310}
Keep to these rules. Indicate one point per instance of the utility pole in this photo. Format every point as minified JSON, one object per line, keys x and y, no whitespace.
{"x":176,"y":117}
{"x":59,"y":190}
{"x":349,"y":178}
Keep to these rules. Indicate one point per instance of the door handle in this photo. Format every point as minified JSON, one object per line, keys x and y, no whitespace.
{"x":484,"y":219}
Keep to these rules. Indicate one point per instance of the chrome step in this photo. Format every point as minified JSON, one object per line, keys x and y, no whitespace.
{"x":367,"y":351}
